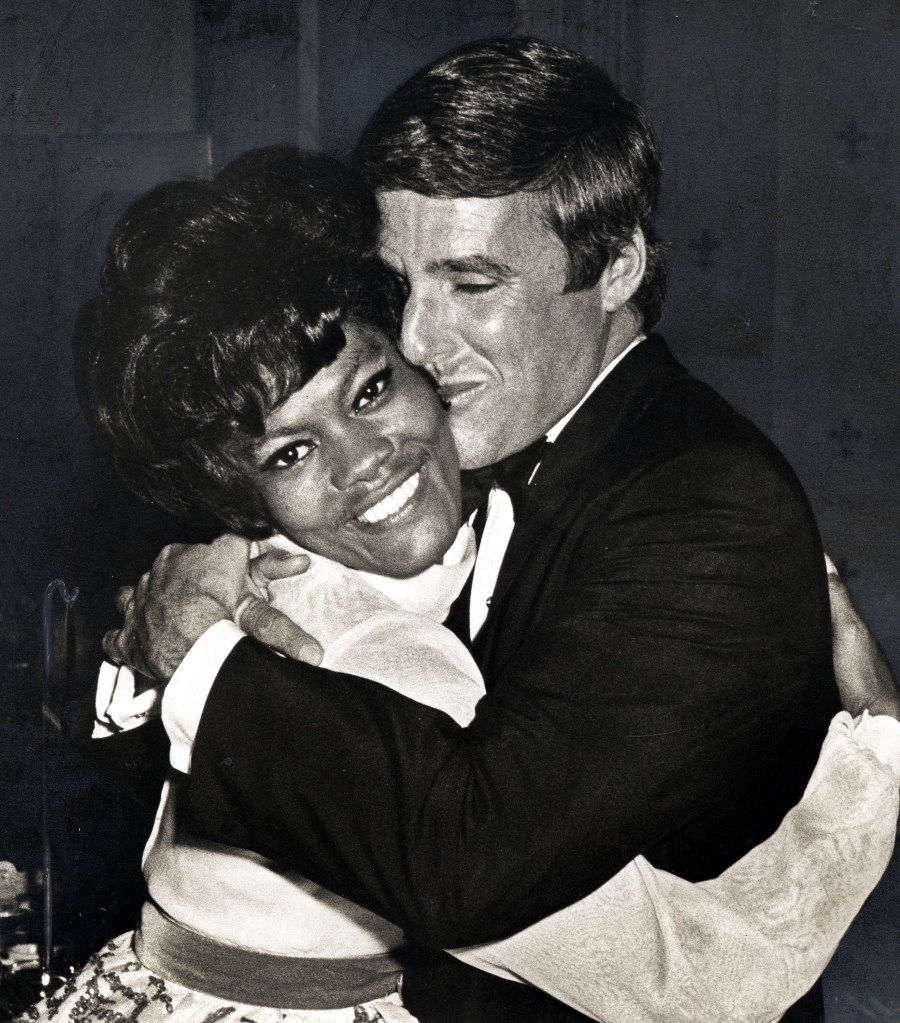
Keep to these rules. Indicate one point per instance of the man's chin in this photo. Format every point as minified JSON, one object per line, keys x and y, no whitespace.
{"x":476,"y":437}
{"x":477,"y":458}
{"x":476,"y":453}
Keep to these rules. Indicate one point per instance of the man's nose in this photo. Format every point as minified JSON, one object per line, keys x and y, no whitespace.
{"x":362,"y":456}
{"x":423,"y":332}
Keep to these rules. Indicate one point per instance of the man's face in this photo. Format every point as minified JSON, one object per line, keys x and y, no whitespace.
{"x":488,"y":318}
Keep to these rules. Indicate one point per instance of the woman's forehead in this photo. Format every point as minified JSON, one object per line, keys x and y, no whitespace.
{"x":330,"y":386}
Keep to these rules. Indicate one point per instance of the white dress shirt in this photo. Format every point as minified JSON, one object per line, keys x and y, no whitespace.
{"x":501,"y":521}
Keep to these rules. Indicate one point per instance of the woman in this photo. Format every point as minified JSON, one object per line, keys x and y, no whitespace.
{"x":238,"y":363}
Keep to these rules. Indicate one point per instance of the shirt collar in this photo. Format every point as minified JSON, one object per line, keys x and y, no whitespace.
{"x":556,"y":430}
{"x":430,"y":593}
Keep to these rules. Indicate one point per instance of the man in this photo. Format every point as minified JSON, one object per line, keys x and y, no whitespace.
{"x":649,"y":607}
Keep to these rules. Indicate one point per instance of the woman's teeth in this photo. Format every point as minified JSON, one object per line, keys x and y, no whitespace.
{"x":391,"y":504}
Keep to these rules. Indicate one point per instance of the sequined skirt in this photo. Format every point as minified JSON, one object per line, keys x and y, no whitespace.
{"x":114,"y":987}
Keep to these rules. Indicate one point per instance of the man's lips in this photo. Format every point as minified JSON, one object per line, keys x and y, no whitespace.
{"x":455,"y":391}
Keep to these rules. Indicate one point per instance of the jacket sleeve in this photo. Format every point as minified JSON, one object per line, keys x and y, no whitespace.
{"x":686,"y":638}
{"x":137,"y":759}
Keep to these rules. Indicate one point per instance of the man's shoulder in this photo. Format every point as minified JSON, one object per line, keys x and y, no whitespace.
{"x":683,"y":411}
{"x":682,"y":429}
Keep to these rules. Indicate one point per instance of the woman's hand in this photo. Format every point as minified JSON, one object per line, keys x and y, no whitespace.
{"x":862,"y":672}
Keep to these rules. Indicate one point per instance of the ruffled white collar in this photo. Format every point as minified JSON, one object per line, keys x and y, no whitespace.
{"x":430,"y":593}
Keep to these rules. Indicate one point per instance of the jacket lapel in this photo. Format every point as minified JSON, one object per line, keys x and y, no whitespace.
{"x":559,"y":489}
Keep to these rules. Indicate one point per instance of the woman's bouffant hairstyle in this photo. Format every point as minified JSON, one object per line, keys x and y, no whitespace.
{"x":520,"y":114}
{"x":218,"y":300}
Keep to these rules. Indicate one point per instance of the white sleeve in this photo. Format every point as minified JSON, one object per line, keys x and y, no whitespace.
{"x":186,"y":694}
{"x":412,"y":655}
{"x":649,"y":947}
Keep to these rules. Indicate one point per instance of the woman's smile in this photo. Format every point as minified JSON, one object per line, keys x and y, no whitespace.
{"x":389,"y":508}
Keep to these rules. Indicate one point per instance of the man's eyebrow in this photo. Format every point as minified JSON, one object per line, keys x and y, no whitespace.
{"x":474,"y":264}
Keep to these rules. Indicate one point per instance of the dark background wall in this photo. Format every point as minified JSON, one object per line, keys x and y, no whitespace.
{"x":779,"y":126}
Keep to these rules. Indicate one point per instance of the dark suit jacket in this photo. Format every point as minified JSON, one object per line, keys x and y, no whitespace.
{"x":658,"y":670}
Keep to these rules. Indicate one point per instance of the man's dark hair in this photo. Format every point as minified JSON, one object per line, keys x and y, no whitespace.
{"x":519,"y":114}
{"x":219,"y":299}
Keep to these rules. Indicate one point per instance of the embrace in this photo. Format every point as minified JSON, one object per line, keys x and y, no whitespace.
{"x":570,"y":713}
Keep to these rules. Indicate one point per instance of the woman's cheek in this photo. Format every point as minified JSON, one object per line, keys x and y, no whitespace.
{"x":410,"y":420}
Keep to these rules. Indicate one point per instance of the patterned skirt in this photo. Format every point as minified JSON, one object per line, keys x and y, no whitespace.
{"x":114,"y":987}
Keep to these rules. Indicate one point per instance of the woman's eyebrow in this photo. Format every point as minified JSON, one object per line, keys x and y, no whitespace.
{"x":370,"y":353}
{"x":276,"y":436}
{"x":474,"y":264}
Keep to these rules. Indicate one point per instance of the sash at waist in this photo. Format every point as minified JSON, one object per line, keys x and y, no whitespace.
{"x":191,"y":959}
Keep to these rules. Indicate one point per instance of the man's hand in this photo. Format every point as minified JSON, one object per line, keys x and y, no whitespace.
{"x":262,"y":621}
{"x":863,"y":675}
{"x":276,"y":564}
{"x":188,"y":589}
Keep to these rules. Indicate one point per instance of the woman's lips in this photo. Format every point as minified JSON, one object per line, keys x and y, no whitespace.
{"x":395,"y":501}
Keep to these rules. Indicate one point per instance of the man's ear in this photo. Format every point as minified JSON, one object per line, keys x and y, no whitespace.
{"x":625,"y":272}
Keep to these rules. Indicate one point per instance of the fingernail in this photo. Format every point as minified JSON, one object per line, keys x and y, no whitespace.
{"x":241,"y":608}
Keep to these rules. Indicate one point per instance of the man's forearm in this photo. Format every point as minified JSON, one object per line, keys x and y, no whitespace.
{"x":472,"y":833}
{"x":137,"y":759}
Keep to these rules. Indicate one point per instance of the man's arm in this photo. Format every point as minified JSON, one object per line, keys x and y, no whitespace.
{"x":669,"y":659}
{"x":137,"y":759}
{"x":117,"y":726}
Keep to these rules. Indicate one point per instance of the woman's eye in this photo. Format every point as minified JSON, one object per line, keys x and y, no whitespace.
{"x":372,"y":389}
{"x":290,"y":455}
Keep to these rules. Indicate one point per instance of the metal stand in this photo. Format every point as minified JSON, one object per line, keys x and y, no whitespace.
{"x":48,"y":717}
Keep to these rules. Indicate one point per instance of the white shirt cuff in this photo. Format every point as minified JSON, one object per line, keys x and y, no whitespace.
{"x":116,"y":707}
{"x":187,"y":692}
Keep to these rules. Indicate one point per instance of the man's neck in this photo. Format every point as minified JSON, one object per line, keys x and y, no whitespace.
{"x":623,"y":331}
{"x":626,"y":324}
{"x":608,"y":368}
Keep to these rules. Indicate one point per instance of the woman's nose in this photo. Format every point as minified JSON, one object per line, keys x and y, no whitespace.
{"x":362,"y":456}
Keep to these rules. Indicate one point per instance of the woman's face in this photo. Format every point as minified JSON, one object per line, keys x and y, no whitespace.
{"x":359,"y":465}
